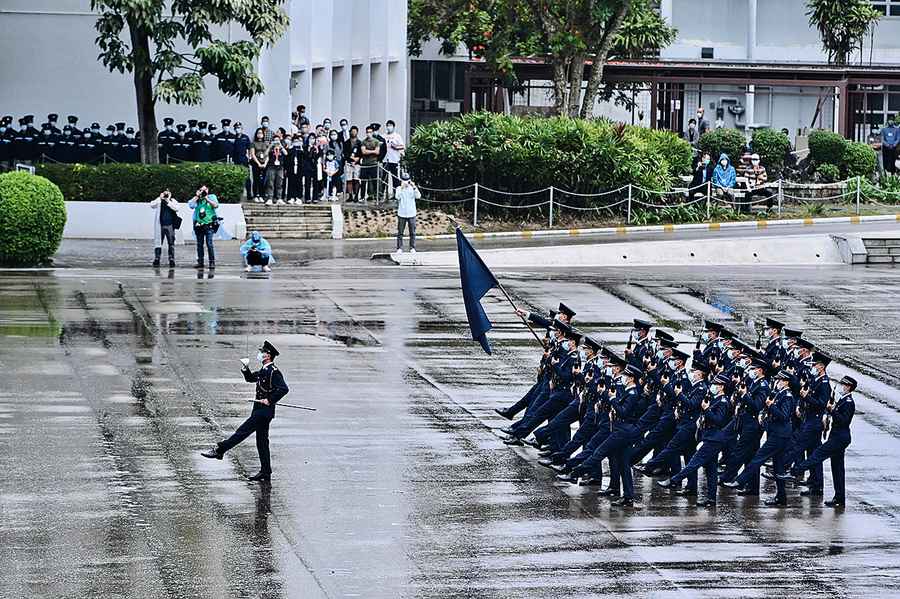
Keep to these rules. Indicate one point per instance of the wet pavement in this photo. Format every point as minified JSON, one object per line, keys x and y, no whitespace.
{"x":398,"y":486}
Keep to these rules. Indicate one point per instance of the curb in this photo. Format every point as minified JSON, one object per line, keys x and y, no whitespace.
{"x":623,"y":230}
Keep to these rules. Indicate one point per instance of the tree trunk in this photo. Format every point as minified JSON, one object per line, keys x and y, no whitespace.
{"x":600,"y":57}
{"x":560,"y":85}
{"x":143,"y":88}
{"x":576,"y":77}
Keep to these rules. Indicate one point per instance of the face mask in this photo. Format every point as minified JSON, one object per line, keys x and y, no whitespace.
{"x":237,"y":129}
{"x":744,"y":363}
{"x":699,"y":116}
{"x":706,"y":161}
{"x":297,"y":144}
{"x":608,"y":371}
{"x":660,"y":354}
{"x":129,"y":135}
{"x":168,"y":127}
{"x":87,"y":134}
{"x":47,"y":132}
{"x":692,"y":126}
{"x":390,"y":129}
{"x":724,"y":163}
{"x":260,"y":357}
{"x":845,"y":390}
{"x":715,"y":389}
{"x":334,"y":138}
{"x":784,"y":344}
{"x":368,"y":135}
{"x":704,"y":337}
{"x":567,"y":345}
{"x":755,"y":162}
{"x":672,"y":364}
{"x":730,"y":353}
{"x":695,"y":377}
{"x":582,"y":355}
{"x":554,"y":335}
{"x":193,"y":128}
{"x":344,"y":127}
{"x":265,"y":124}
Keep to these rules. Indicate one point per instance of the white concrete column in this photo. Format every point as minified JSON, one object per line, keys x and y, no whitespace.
{"x":750,"y":109}
{"x":751,"y":28}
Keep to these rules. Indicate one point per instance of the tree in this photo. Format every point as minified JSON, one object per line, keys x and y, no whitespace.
{"x":842,"y":25}
{"x":158,"y":31}
{"x":569,"y":33}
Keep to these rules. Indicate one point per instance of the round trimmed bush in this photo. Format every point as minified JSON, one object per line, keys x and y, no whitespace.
{"x":827,"y":147}
{"x":772,"y":146}
{"x":828,"y":173}
{"x":32,"y":217}
{"x":859,"y":160}
{"x":723,"y":141}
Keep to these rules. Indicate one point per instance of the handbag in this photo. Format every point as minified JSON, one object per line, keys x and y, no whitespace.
{"x":176,"y":222}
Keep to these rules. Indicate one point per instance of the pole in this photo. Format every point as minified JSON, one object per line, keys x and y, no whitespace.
{"x":475,"y":217}
{"x":551,"y":206}
{"x":525,"y":322}
{"x":780,"y":194}
{"x":286,"y":405}
{"x":629,"y":203}
{"x":708,"y":200}
{"x":858,"y":192}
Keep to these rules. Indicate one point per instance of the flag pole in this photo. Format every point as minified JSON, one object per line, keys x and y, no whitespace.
{"x":525,"y":322}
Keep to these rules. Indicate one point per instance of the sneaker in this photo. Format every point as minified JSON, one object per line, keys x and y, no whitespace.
{"x":412,"y":250}
{"x":399,"y":250}
{"x":268,"y":202}
{"x":291,"y":201}
{"x":248,"y":269}
{"x":267,"y":268}
{"x":280,"y":202}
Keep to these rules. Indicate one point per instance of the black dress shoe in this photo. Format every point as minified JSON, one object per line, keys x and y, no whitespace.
{"x":769,"y":475}
{"x":834,"y":503}
{"x":649,"y":471}
{"x":213,"y":453}
{"x":623,"y":502}
{"x":545,"y":453}
{"x":567,"y":478}
{"x":812,"y":493}
{"x":665,"y":483}
{"x":775,"y":502}
{"x":212,"y":265}
{"x":609,"y":493}
{"x":561,"y":468}
{"x":533,"y":442}
{"x":508,"y":431}
{"x":686,"y":492}
{"x":513,"y":441}
{"x":171,"y":264}
{"x":639,"y":467}
{"x":198,"y":265}
{"x":590,"y":481}
{"x":503,"y":413}
{"x":785,"y":476}
{"x":732,"y":484}
{"x":706,"y":503}
{"x":260,"y":476}
{"x":748,"y":493}
{"x":156,"y":264}
{"x":546,"y":462}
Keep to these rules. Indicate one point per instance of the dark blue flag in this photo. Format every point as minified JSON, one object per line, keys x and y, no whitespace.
{"x":476,"y":280}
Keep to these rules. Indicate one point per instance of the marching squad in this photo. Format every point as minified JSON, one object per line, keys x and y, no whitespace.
{"x":727,"y":408}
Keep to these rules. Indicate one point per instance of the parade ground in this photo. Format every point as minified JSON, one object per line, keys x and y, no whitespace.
{"x":116,"y":377}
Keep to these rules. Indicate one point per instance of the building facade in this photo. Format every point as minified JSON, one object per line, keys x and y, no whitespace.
{"x":341,"y":58}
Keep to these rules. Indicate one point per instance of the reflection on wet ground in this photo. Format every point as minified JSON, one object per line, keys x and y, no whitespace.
{"x":397,"y":486}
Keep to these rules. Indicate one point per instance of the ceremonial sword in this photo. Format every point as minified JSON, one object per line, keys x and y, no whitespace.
{"x":284,"y":405}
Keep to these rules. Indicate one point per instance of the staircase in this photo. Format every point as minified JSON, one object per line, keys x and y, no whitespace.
{"x":289,"y":221}
{"x":882,"y":250}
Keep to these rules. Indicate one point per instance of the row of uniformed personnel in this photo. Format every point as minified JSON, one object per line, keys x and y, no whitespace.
{"x":711,"y":409}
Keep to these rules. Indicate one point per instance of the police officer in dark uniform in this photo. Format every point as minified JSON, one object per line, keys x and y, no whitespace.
{"x":52,"y":119}
{"x":223,"y":143}
{"x":46,"y":142}
{"x":270,"y":387}
{"x":200,"y":144}
{"x":130,"y":147}
{"x":87,"y":148}
{"x":25,"y":142}
{"x":73,"y":123}
{"x":111,"y":144}
{"x":166,"y":139}
{"x":64,"y":150}
{"x":180,"y":148}
{"x":640,"y":337}
{"x":7,"y":135}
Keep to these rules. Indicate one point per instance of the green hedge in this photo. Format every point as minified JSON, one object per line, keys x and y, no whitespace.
{"x":772,"y":146}
{"x":143,"y":182}
{"x":723,"y":141}
{"x":859,"y":160}
{"x":827,"y":147}
{"x":517,"y":154}
{"x":32,"y":218}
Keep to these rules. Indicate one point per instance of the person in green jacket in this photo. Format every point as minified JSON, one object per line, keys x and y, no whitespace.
{"x":205,"y":224}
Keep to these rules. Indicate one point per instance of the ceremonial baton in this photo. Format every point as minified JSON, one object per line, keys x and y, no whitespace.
{"x":284,"y":405}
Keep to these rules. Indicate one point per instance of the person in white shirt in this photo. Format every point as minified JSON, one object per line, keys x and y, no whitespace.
{"x":407,"y":195}
{"x":395,"y":148}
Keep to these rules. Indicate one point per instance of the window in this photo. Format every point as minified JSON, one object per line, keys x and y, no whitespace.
{"x":438,"y":80}
{"x":460,"y":82}
{"x":443,"y":80}
{"x":421,"y":80}
{"x":889,"y":8}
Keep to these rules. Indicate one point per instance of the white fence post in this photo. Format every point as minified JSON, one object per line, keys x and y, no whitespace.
{"x":780,"y":195}
{"x":551,"y":206}
{"x":858,"y":192}
{"x":708,"y":199}
{"x":475,"y":217}
{"x":629,"y":203}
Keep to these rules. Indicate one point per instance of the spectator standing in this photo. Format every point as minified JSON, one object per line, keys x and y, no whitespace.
{"x":393,"y":153}
{"x":702,"y":123}
{"x":293,"y":163}
{"x":890,"y":137}
{"x":310,"y":169}
{"x":369,"y":151}
{"x":275,"y":172}
{"x":407,"y":195}
{"x":165,"y":221}
{"x":352,"y":148}
{"x":692,"y":136}
{"x":332,"y":168}
{"x":301,"y":117}
{"x":345,"y":130}
{"x":257,"y":253}
{"x":259,"y":160}
{"x":295,"y":126}
{"x":206,"y":223}
{"x":268,"y":134}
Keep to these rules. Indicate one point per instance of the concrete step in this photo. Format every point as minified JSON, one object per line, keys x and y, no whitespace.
{"x":881,"y":242}
{"x":883,"y":251}
{"x":295,"y":235}
{"x":870,"y":259}
{"x":289,"y":221}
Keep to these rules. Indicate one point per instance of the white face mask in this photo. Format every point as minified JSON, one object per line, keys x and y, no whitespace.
{"x":695,"y":377}
{"x":237,"y":129}
{"x":705,"y":337}
{"x":673,"y":365}
{"x":744,"y":363}
{"x":715,"y":389}
{"x":260,"y":357}
{"x":567,"y":345}
{"x":845,"y":390}
{"x":724,"y":163}
{"x":661,"y":354}
{"x":390,"y":129}
{"x":582,"y":355}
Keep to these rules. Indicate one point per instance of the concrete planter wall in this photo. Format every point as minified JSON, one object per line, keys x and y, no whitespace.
{"x":132,"y":220}
{"x":812,"y":191}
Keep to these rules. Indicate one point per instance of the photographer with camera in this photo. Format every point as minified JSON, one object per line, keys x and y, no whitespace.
{"x":206,"y":224}
{"x":166,"y":221}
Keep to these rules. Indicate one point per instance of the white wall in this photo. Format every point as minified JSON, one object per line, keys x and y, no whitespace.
{"x":135,"y":220}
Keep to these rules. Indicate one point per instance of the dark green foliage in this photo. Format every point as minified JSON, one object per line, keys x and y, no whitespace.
{"x":827,"y":173}
{"x":143,"y":182}
{"x":886,"y":192}
{"x":859,"y":160}
{"x":518,"y":154}
{"x":826,"y":147}
{"x":727,"y":141}
{"x":772,"y":146}
{"x":32,"y":218}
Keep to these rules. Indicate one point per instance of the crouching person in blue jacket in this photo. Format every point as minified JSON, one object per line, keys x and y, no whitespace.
{"x":257,"y":253}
